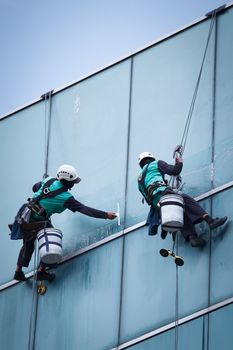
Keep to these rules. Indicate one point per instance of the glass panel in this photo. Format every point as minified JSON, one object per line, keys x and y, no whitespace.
{"x":163,"y":341}
{"x":22,"y":164}
{"x":16,"y":305}
{"x":190,"y":336}
{"x":220,"y":334}
{"x":224,"y":101}
{"x":89,"y":130}
{"x":144,"y":288}
{"x":150,"y":282}
{"x":84,"y":301}
{"x":222,"y":242}
{"x":164,"y":79}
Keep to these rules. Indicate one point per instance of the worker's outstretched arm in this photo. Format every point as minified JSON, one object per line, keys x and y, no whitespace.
{"x":74,"y":205}
{"x":171,"y":169}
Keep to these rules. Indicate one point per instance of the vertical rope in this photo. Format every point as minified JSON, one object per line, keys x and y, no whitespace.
{"x":177,"y":300}
{"x":203,"y":333}
{"x":45,"y":132}
{"x":125,"y":204}
{"x":34,"y":309}
{"x":33,"y":316}
{"x":212,"y":173}
{"x":188,"y":121}
{"x":48,"y":97}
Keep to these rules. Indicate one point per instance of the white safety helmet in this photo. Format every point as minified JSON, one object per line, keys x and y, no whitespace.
{"x":68,"y":173}
{"x":145,"y":155}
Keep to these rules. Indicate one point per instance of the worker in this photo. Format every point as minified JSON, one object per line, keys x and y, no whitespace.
{"x":42,"y":211}
{"x":153,"y":186}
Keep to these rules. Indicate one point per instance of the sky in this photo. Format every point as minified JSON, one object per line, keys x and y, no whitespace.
{"x":48,"y":44}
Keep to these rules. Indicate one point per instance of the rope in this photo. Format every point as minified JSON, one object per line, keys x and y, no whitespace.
{"x":33,"y":316}
{"x":188,"y":121}
{"x":203,"y":333}
{"x":125,"y":206}
{"x":45,"y":133}
{"x":176,"y":300}
{"x":174,"y":180}
{"x":48,"y":97}
{"x":212,"y":186}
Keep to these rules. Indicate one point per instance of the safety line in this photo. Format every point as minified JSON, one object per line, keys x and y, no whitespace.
{"x":125,"y":196}
{"x":188,"y":120}
{"x":48,"y":106}
{"x":34,"y":308}
{"x":177,"y":300}
{"x":203,"y":333}
{"x":45,"y":130}
{"x":212,"y":173}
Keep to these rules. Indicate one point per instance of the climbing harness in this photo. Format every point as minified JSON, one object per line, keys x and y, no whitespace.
{"x":34,"y":205}
{"x":148,"y":192}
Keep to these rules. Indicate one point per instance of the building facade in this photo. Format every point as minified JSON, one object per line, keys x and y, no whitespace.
{"x":113,"y":290}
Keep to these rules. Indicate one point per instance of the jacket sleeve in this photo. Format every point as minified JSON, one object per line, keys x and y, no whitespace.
{"x":170,"y":169}
{"x":74,"y":205}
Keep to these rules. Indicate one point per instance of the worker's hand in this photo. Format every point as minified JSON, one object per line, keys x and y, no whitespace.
{"x":111,"y":215}
{"x":179,"y":159}
{"x":177,"y":154}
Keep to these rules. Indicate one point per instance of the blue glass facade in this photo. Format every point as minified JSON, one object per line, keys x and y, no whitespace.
{"x":123,"y":289}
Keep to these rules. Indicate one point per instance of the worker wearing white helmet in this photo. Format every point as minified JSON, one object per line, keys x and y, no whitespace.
{"x":51,"y":196}
{"x":152,"y":185}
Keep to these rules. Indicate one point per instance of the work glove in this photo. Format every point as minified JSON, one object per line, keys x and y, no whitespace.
{"x":163,"y":234}
{"x":111,"y":215}
{"x":177,"y":154}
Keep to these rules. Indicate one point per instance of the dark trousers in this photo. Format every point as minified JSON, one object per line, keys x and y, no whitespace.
{"x":30,"y":231}
{"x":193,"y":214}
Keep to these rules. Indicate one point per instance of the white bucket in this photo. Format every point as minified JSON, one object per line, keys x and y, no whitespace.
{"x":50,"y":245}
{"x":172,"y":212}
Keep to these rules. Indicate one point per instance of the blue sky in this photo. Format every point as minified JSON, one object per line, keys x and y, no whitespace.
{"x":50,"y":43}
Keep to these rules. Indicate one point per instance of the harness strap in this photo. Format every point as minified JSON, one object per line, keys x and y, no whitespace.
{"x":148,"y":191}
{"x":46,"y":193}
{"x":34,"y":204}
{"x":141,"y":181}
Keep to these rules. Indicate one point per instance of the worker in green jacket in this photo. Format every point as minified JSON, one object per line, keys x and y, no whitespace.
{"x":153,"y":186}
{"x":43,"y":210}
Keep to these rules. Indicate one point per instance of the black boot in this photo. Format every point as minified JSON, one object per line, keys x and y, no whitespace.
{"x":163,"y":234}
{"x":44,"y":275}
{"x":19,"y":276}
{"x":196,"y":241}
{"x":217,"y":222}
